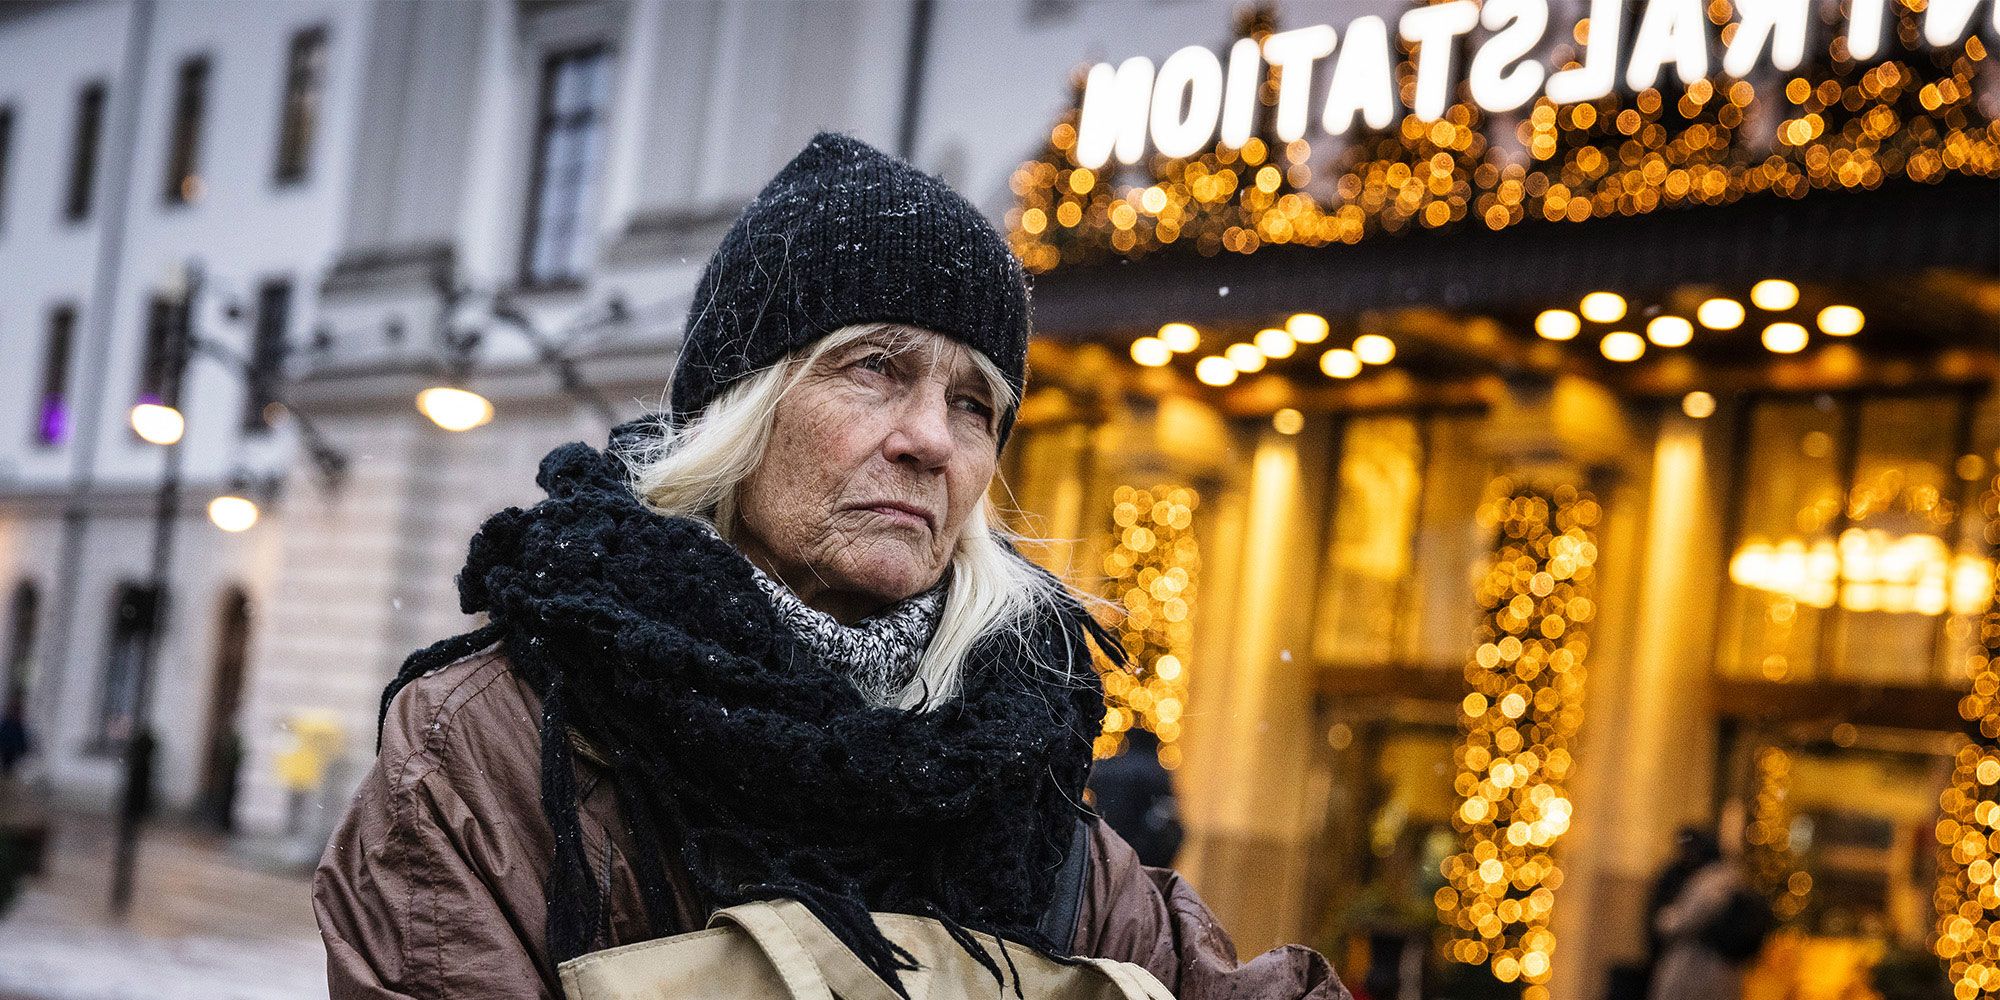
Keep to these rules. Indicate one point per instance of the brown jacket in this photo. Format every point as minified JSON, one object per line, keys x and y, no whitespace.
{"x":433,"y":884}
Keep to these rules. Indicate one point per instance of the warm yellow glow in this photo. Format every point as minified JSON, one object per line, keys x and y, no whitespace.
{"x":1840,"y":321}
{"x":1670,"y":331}
{"x":1622,"y":345}
{"x":1720,"y":314}
{"x":454,"y":409}
{"x":1698,"y":404}
{"x":232,"y":513}
{"x":1246,"y":357}
{"x":1213,"y":370}
{"x":158,"y":424}
{"x":1180,"y":337}
{"x":1785,"y":338}
{"x":1374,"y":349}
{"x":1306,"y":328}
{"x":1150,"y":572}
{"x":1275,"y":343}
{"x":1774,"y":295}
{"x":1868,"y":569}
{"x":1557,"y":324}
{"x":1602,"y":307}
{"x":1288,"y":421}
{"x":1151,"y":352}
{"x":1340,"y":363}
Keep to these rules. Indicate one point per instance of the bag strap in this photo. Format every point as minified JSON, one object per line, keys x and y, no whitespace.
{"x":1058,"y":923}
{"x":813,"y":963}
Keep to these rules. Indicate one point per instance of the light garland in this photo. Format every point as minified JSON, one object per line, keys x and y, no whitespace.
{"x":1151,"y":571}
{"x":1968,"y":828}
{"x":1523,"y":708}
{"x":1767,"y":834}
{"x":1845,"y":124}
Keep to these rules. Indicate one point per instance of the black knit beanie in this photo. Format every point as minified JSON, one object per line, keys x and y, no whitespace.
{"x":844,"y":234}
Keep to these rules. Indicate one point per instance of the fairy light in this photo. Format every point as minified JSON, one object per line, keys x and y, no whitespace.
{"x":1523,"y":705}
{"x":1840,"y":124}
{"x":1767,"y":834}
{"x":1967,"y":900}
{"x":1151,"y":571}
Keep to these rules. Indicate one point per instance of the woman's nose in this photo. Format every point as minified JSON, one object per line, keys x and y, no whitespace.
{"x":921,"y":436}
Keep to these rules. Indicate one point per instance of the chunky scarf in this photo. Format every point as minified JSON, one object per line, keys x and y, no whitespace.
{"x":765,"y":771}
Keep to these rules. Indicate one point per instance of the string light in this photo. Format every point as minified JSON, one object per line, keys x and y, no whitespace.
{"x":1840,"y":321}
{"x":1275,"y":343}
{"x":1622,"y":345}
{"x":1670,"y":331}
{"x":1521,"y":712}
{"x":1180,"y":337}
{"x":1967,"y":900}
{"x":1374,"y":349}
{"x":1909,"y":113}
{"x":1215,"y":370}
{"x":1151,"y":352}
{"x":1774,"y":295}
{"x":1767,"y":833}
{"x":1151,"y":570}
{"x":1245,"y":357}
{"x":1720,"y":314}
{"x":1602,"y":307}
{"x":1785,"y":338}
{"x":1557,"y":324}
{"x":1340,"y":363}
{"x":1306,"y":328}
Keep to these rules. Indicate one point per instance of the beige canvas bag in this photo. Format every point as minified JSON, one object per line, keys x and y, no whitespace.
{"x":777,"y":950}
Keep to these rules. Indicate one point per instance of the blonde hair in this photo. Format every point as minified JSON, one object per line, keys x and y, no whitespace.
{"x":694,"y":471}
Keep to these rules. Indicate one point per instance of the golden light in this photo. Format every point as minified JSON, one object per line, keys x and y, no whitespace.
{"x":232,"y":513}
{"x":1246,"y":357}
{"x":1374,"y":349}
{"x":1557,"y":324}
{"x":1670,"y":331}
{"x":1785,"y":338}
{"x":1306,"y":328}
{"x":158,"y":424}
{"x":1214,"y":370}
{"x":1180,"y":337}
{"x":1340,"y":363}
{"x":1151,"y":352}
{"x":1840,"y":321}
{"x":1774,"y":294}
{"x":1275,"y":343}
{"x":454,"y":409}
{"x":1720,"y":314}
{"x":1288,"y":421}
{"x":1622,"y":345}
{"x":1698,"y":404}
{"x":1602,"y":307}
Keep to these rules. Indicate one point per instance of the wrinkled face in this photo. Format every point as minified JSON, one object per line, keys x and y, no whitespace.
{"x":877,"y":458}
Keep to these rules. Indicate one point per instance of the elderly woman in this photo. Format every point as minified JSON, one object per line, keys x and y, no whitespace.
{"x":770,"y":644}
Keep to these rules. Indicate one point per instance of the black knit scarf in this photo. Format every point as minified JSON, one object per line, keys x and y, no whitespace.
{"x":761,"y":770}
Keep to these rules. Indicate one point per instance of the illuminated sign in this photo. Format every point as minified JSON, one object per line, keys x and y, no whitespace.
{"x":1181,"y":104}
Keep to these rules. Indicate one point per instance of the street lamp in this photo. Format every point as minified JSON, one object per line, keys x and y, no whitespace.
{"x":454,"y":407}
{"x":166,"y":426}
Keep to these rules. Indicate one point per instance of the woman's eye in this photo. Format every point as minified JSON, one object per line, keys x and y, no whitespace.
{"x":975,"y":405}
{"x":876,"y":362}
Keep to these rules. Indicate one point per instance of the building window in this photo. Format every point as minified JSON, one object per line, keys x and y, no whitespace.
{"x":133,"y":612}
{"x":158,"y":382}
{"x":1860,"y":552}
{"x":52,"y":414}
{"x":569,"y":151}
{"x":305,"y":83}
{"x":6,"y":156}
{"x":267,"y":354}
{"x":23,"y":613}
{"x":1403,"y":541}
{"x":83,"y":153}
{"x":184,"y":138}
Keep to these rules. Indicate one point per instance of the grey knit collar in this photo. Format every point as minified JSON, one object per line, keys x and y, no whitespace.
{"x":877,"y":654}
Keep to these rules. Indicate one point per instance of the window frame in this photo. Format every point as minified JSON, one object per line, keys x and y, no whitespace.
{"x":184,"y":130}
{"x":298,"y":129}
{"x":264,"y":364}
{"x":86,"y":142}
{"x":545,"y":125}
{"x":55,"y":375}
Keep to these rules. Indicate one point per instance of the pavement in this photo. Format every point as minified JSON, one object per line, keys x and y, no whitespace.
{"x":206,"y":923}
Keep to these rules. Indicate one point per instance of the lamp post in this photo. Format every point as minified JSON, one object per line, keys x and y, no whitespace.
{"x":455,"y":408}
{"x":164,"y":423}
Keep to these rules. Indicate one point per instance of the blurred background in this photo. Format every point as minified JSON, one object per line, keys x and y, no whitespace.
{"x":1492,"y":498}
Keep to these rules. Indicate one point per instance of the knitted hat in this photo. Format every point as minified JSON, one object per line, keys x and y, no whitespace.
{"x":846,"y":233}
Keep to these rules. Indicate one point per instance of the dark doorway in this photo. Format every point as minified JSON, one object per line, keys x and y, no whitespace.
{"x":222,"y":757}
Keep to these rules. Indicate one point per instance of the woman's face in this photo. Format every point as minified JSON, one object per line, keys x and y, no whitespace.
{"x":876,"y":460}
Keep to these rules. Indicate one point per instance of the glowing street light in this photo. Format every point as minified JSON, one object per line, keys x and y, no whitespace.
{"x":454,"y":409}
{"x":158,"y":424}
{"x":233,"y":513}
